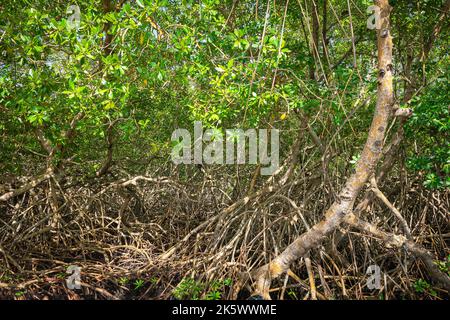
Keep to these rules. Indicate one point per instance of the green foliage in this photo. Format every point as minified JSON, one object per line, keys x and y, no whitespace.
{"x":422,"y":286}
{"x":154,"y":280}
{"x":216,"y":289}
{"x":192,"y":289}
{"x":188,"y":288}
{"x":354,"y":160}
{"x":20,"y":293}
{"x":123,"y":281}
{"x":291,"y":293}
{"x":175,"y":62}
{"x":444,"y":266}
{"x":61,"y":275}
{"x":9,"y":277}
{"x":430,"y":128}
{"x":6,"y":278}
{"x":138,"y":284}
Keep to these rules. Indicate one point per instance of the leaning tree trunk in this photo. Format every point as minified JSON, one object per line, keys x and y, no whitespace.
{"x":364,"y":168}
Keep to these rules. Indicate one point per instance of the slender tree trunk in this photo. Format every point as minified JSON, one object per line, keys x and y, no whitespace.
{"x":315,"y":39}
{"x":324,"y":31}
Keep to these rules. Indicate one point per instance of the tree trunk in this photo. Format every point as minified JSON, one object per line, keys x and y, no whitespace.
{"x":364,"y":168}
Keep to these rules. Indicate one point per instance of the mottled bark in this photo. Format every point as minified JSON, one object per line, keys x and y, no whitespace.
{"x":364,"y":168}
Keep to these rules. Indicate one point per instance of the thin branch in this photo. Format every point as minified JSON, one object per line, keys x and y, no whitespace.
{"x":396,"y":212}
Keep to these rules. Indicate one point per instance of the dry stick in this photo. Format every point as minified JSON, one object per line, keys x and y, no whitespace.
{"x":229,"y":16}
{"x":398,"y":241}
{"x":300,"y":283}
{"x":312,"y":283}
{"x":283,"y":289}
{"x":325,"y":286}
{"x":341,"y":282}
{"x":279,"y":46}
{"x":50,"y":172}
{"x":370,"y":156}
{"x":45,"y":143}
{"x":314,"y":34}
{"x":100,"y":290}
{"x":397,"y":213}
{"x":324,"y":34}
{"x":315,"y":38}
{"x":263,"y":36}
